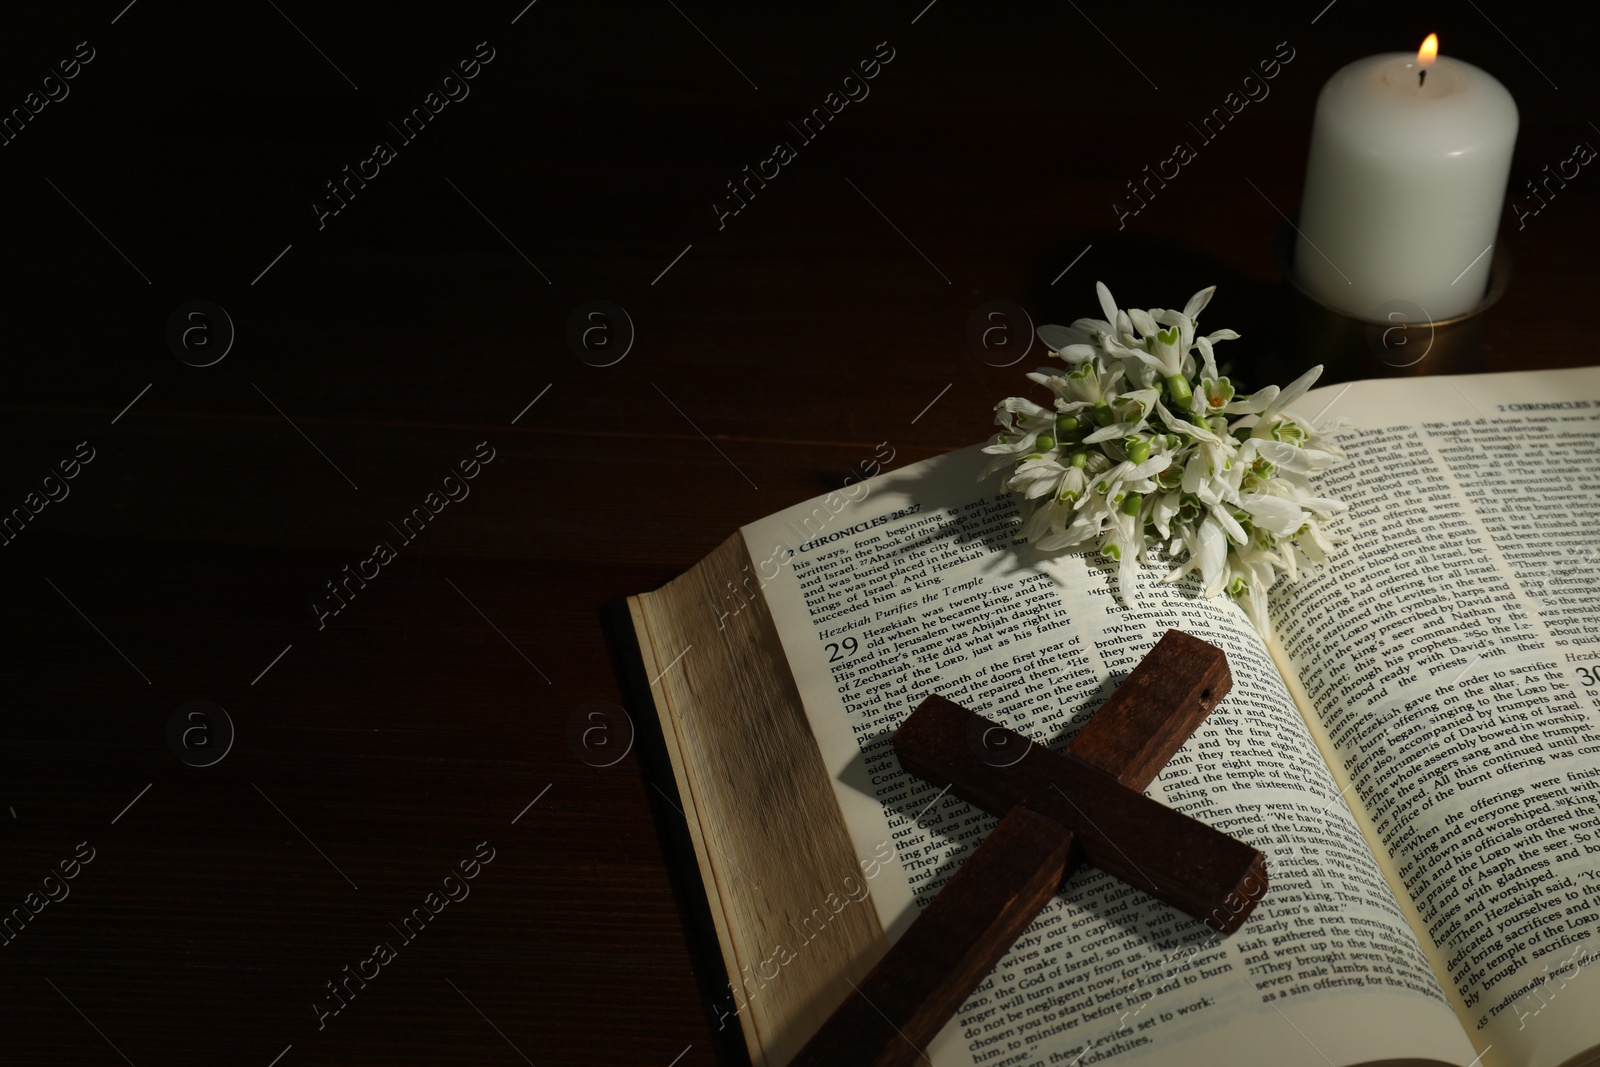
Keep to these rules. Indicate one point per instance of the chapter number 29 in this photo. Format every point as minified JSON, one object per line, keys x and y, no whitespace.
{"x":837,"y":652}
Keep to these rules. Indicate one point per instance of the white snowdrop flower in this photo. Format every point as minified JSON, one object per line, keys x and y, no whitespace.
{"x":1148,"y":451}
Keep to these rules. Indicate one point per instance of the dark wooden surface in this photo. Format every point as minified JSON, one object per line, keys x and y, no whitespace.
{"x":459,"y":684}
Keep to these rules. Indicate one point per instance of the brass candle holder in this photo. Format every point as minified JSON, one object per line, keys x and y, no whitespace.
{"x":1352,"y":346}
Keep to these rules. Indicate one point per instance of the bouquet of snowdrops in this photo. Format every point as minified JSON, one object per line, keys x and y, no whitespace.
{"x":1148,"y":449}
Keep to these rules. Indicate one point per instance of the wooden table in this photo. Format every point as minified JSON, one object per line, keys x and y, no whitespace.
{"x":431,"y":313}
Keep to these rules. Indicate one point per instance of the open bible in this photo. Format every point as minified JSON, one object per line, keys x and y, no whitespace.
{"x":1416,"y":750}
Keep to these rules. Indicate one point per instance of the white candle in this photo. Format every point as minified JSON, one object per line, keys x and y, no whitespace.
{"x":1404,"y":186}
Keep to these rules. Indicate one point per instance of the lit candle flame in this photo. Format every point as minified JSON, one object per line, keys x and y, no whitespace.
{"x":1429,"y":51}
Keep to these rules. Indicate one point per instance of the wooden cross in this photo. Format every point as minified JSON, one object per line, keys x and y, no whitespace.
{"x":1056,"y":811}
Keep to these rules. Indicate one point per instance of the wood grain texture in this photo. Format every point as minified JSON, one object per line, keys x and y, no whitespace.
{"x":954,"y":943}
{"x":889,"y":1018}
{"x":1152,"y":711}
{"x":408,"y":329}
{"x":1194,"y":867}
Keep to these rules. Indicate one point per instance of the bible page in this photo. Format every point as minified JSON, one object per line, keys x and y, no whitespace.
{"x":1450,"y":652}
{"x":915,"y":583}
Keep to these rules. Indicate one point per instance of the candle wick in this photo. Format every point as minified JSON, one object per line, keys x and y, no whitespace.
{"x":1422,"y":76}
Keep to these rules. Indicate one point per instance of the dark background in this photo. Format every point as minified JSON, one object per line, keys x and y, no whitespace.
{"x":375,"y":354}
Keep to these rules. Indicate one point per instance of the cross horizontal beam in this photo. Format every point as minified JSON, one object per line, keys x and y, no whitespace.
{"x":1182,"y":861}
